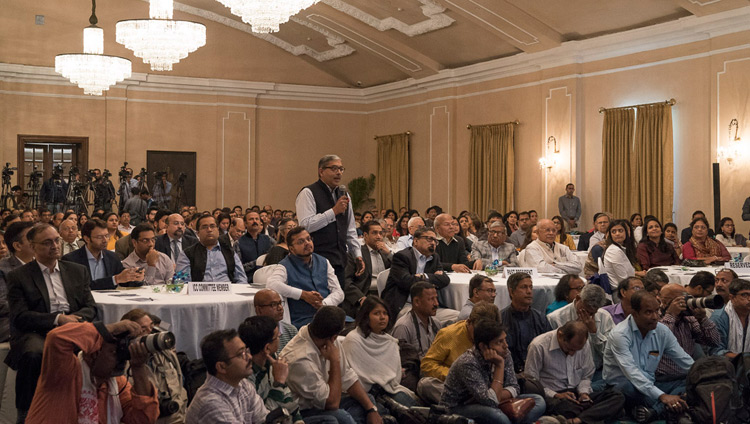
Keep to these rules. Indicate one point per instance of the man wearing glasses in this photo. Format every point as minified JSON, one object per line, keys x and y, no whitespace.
{"x":323,"y":208}
{"x":268,"y":303}
{"x":732,"y":321}
{"x":495,"y":248}
{"x":481,"y":288}
{"x":305,"y":279}
{"x":210,"y":259}
{"x":158,"y":267}
{"x":43,"y":294}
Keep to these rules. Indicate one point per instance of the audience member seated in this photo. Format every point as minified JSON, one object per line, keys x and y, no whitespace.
{"x":655,"y":280}
{"x":531,"y":235}
{"x":227,"y":395}
{"x":280,"y":249}
{"x":418,"y":328}
{"x":653,"y":249}
{"x":69,"y":235}
{"x":732,"y":321}
{"x":600,"y":225}
{"x":306,"y":279}
{"x":562,"y":236}
{"x":164,"y":367}
{"x":702,"y":284}
{"x":562,"y":363}
{"x":483,"y":376}
{"x":157,"y":266}
{"x":450,"y":343}
{"x":105,"y":268}
{"x":124,"y":225}
{"x":113,"y":232}
{"x":209,"y":259}
{"x":451,"y":249}
{"x":724,"y":276}
{"x":234,"y":234}
{"x":670,"y":236}
{"x":548,"y":256}
{"x":634,"y":349}
{"x":690,"y":326}
{"x":42,"y":294}
{"x":586,"y":309}
{"x":406,"y":241}
{"x":727,"y":235}
{"x":85,"y":387}
{"x":566,"y":290}
{"x":619,"y":260}
{"x":625,"y":290}
{"x":413,"y":264}
{"x":268,"y":303}
{"x":511,"y":221}
{"x":517,"y":237}
{"x":481,"y":289}
{"x":702,"y":247}
{"x":494,"y":216}
{"x":176,"y":240}
{"x":495,"y":248}
{"x":522,"y":322}
{"x":687,"y":233}
{"x":319,"y":372}
{"x":261,"y":335}
{"x":468,"y":230}
{"x":377,"y":258}
{"x":253,"y":244}
{"x":268,"y":228}
{"x":374,"y":354}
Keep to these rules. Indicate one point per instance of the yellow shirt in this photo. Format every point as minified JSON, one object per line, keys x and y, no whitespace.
{"x":568,"y":242}
{"x":113,"y":239}
{"x":450,"y":343}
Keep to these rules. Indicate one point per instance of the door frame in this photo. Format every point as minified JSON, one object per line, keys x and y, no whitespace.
{"x":83,"y":142}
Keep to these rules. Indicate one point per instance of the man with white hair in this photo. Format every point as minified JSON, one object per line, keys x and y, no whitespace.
{"x":548,"y":256}
{"x":406,"y":241}
{"x":495,"y":248}
{"x":452,"y":250}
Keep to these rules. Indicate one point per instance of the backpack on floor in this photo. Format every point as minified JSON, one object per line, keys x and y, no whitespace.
{"x":741,"y":402}
{"x":710,"y":389}
{"x":193,"y":374}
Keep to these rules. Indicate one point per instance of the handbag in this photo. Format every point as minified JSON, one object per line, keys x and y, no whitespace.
{"x":516,"y":408}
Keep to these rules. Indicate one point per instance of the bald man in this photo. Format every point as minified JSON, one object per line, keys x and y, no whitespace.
{"x":69,"y":235}
{"x":268,"y":303}
{"x":690,"y":326}
{"x":405,"y":242}
{"x":548,"y":256}
{"x":452,"y":250}
{"x":176,"y":240}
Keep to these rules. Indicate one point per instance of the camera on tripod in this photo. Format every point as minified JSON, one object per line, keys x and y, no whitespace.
{"x":124,"y":174}
{"x":8,"y":170}
{"x":106,"y":174}
{"x":182,"y":177}
{"x":91,"y":174}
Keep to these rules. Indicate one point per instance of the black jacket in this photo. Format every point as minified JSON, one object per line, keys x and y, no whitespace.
{"x":357,"y":287}
{"x":112,"y":267}
{"x":164,"y":243}
{"x":403,"y":276}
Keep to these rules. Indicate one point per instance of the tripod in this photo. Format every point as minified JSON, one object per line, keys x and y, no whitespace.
{"x":7,"y":199}
{"x":33,"y":186}
{"x":180,"y":197}
{"x":76,"y":197}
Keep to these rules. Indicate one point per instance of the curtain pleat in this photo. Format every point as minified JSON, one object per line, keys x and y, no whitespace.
{"x":491,"y":168}
{"x":392,"y":181}
{"x":617,"y":138}
{"x":653,"y":182}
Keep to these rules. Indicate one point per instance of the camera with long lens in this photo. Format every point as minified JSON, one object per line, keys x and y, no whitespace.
{"x":711,"y":302}
{"x":154,"y":342}
{"x":167,"y":405}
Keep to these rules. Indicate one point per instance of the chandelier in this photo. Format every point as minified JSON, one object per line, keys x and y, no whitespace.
{"x":266,"y":15}
{"x":161,"y":41}
{"x":92,"y":70}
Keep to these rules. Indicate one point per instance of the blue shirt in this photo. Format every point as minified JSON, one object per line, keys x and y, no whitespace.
{"x":721,"y":319}
{"x":421,"y":261}
{"x":216,"y":266}
{"x":634,"y":358}
{"x":96,"y":266}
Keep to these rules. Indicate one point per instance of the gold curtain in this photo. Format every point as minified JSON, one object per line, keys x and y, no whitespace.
{"x":652,"y":154}
{"x":393,"y":171}
{"x":491,"y":168}
{"x":617,"y":172}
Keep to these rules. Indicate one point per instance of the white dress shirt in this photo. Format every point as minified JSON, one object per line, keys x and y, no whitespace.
{"x":58,"y":300}
{"x":305,"y":205}
{"x":616,"y":265}
{"x":552,"y":258}
{"x":277,"y":281}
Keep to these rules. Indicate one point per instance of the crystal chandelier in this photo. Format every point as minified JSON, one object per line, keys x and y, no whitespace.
{"x":266,"y":15}
{"x":161,"y":41}
{"x":92,"y":70}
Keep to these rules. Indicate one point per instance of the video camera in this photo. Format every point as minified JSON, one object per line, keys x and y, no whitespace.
{"x":106,"y":174}
{"x":8,"y":170}
{"x":124,"y":174}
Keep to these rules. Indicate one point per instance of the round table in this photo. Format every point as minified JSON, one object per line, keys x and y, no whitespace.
{"x":736,"y":251}
{"x":190,"y":318}
{"x":456,"y":293}
{"x":682,"y":275}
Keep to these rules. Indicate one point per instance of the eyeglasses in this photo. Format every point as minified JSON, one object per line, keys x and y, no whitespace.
{"x":273,"y":305}
{"x":48,"y":243}
{"x":497,"y":233}
{"x":102,"y":237}
{"x":245,"y":352}
{"x":429,"y":239}
{"x":745,"y":295}
{"x":147,"y":240}
{"x":489,"y":290}
{"x":208,"y":227}
{"x":300,"y":241}
{"x":335,"y":168}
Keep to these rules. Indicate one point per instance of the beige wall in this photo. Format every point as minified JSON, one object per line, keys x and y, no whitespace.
{"x":259,"y":149}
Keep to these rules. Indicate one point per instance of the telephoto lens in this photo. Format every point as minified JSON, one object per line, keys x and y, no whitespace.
{"x":156,"y":342}
{"x":711,"y":302}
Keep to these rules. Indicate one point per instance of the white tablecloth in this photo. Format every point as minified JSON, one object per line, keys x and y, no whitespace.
{"x":190,"y":317}
{"x":741,"y":251}
{"x":682,"y":275}
{"x":455,"y":295}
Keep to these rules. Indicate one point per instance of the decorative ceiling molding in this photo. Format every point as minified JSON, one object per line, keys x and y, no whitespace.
{"x":703,"y":3}
{"x":495,"y":21}
{"x":437,"y":19}
{"x":340,"y":49}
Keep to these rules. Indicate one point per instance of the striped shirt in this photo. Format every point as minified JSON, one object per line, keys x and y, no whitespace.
{"x":688,"y":332}
{"x":218,"y":402}
{"x":286,"y":333}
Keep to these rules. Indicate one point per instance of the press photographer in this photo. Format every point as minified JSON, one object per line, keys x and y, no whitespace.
{"x":104,"y":191}
{"x":86,"y":387}
{"x":162,"y":189}
{"x":52,"y":194}
{"x":688,"y":322}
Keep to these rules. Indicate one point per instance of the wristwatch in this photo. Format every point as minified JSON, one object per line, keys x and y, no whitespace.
{"x":373,"y":409}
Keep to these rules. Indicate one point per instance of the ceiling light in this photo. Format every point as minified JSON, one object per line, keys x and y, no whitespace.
{"x":265,"y":16}
{"x":161,"y":41}
{"x":92,"y":70}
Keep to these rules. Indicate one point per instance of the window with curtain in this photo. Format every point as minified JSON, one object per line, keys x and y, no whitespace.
{"x":392,"y":184}
{"x":637,"y":163}
{"x":491,"y":168}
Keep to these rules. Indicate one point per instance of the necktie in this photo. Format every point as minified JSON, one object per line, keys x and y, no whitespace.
{"x":175,"y":251}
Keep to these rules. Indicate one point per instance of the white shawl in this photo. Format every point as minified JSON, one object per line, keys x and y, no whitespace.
{"x":376,"y":360}
{"x":735,"y":333}
{"x":88,"y":407}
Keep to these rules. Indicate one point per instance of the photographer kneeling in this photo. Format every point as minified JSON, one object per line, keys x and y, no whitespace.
{"x":87,"y":387}
{"x":165,"y":371}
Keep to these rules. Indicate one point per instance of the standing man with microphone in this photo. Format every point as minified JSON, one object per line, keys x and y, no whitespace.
{"x":323,"y":209}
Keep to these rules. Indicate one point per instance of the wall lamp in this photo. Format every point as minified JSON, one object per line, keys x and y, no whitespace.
{"x":550,"y":160}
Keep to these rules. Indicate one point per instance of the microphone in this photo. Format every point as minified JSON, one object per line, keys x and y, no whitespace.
{"x":343,"y":191}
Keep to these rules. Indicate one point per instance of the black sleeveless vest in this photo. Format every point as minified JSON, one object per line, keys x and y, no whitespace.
{"x":198,"y":256}
{"x":330,"y":241}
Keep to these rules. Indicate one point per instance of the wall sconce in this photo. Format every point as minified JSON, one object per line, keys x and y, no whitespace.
{"x":732,"y":150}
{"x":550,"y":160}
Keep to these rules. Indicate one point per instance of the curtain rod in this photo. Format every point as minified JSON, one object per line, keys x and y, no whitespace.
{"x":468,"y":127}
{"x":670,"y":102}
{"x":407,"y":133}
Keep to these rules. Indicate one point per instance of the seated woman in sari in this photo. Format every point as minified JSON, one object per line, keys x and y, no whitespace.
{"x":702,"y":247}
{"x":653,"y":250}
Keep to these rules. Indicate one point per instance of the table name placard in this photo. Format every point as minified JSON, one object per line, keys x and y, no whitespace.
{"x":745,"y":266}
{"x":509,"y":270}
{"x":202,"y":289}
